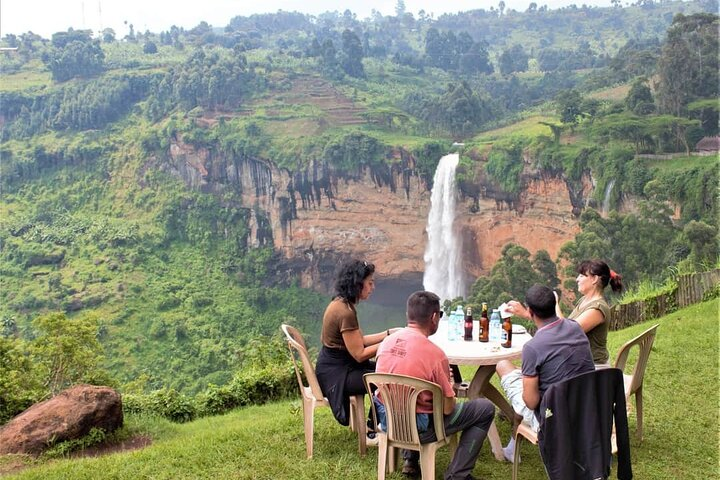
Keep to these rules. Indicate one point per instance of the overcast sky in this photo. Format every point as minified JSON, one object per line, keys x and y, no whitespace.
{"x":46,"y":17}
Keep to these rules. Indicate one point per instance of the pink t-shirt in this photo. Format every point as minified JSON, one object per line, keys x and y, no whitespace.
{"x":409,"y":352}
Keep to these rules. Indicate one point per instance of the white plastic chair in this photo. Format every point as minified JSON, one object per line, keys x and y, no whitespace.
{"x":399,"y":394}
{"x":312,"y":396}
{"x":634,"y":381}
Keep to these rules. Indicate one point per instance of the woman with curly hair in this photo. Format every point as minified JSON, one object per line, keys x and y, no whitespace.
{"x":592,"y":311}
{"x":345,"y":354}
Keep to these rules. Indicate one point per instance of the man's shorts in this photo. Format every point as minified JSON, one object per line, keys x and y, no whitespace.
{"x":513,"y":385}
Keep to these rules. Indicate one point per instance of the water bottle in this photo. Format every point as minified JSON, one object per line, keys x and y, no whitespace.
{"x":495,"y":326}
{"x":455,"y":324}
{"x":459,"y":322}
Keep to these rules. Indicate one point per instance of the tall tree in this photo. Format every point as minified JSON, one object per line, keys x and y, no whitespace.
{"x":688,"y":65}
{"x":352,"y":54}
{"x":639,"y":99}
{"x":513,"y":59}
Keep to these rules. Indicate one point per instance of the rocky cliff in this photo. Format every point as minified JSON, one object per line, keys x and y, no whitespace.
{"x":319,"y":217}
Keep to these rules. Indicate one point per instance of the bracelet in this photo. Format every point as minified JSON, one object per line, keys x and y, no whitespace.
{"x":387,"y":332}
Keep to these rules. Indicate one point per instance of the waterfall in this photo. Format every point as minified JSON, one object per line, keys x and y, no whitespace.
{"x":606,"y":200}
{"x":443,"y":262}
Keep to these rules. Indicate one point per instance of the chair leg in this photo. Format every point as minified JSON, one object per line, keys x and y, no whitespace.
{"x":639,"y":412}
{"x":382,"y":455}
{"x":392,"y":454}
{"x":516,"y":456}
{"x":309,"y":423}
{"x":495,"y":442}
{"x":357,"y":408}
{"x":427,"y":461}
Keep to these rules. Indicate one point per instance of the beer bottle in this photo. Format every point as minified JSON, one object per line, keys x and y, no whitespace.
{"x":468,"y":324}
{"x":484,"y":330}
{"x":506,"y":333}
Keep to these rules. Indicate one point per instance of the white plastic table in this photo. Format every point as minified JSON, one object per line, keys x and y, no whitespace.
{"x":485,"y":356}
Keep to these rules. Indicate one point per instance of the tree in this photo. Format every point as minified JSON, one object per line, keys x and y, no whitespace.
{"x":510,"y":277}
{"x":569,"y":106}
{"x":352,"y":54}
{"x":639,"y":99}
{"x":400,"y":8}
{"x":150,"y":47}
{"x":74,"y":58}
{"x":67,"y":351}
{"x":688,"y":65}
{"x":329,"y":64}
{"x":108,"y":35}
{"x":476,"y":59}
{"x":20,"y":386}
{"x":703,"y":240}
{"x":513,"y":59}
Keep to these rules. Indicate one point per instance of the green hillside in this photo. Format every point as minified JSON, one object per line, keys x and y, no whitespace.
{"x":266,"y":442}
{"x":99,"y":225}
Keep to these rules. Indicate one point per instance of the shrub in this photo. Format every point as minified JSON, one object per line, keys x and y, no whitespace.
{"x":166,"y":402}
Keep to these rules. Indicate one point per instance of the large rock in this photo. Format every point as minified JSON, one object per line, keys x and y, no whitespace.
{"x":69,"y":415}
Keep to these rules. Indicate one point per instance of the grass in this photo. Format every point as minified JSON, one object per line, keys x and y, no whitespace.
{"x":528,"y":127}
{"x":264,"y":442}
{"x":682,"y":163}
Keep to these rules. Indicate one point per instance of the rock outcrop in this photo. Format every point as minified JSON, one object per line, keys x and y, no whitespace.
{"x":71,"y":414}
{"x":319,"y":217}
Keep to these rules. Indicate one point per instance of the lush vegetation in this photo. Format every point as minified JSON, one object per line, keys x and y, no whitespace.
{"x":245,"y":443}
{"x":164,"y":282}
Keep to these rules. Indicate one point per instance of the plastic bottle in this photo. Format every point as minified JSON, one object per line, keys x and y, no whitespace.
{"x":455,"y":324}
{"x":495,"y":326}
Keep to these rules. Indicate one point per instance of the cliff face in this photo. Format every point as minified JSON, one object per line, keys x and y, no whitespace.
{"x":319,"y":218}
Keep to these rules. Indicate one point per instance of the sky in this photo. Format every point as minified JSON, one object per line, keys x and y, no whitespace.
{"x":45,"y":17}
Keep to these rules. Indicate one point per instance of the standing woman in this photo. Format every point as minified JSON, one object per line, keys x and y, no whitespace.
{"x":345,"y":354}
{"x":592,"y":311}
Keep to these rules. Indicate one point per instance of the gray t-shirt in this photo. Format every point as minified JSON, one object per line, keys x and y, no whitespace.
{"x":558,"y":351}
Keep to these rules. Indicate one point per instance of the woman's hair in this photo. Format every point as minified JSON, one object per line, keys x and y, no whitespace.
{"x":601,"y":269}
{"x":350,"y":278}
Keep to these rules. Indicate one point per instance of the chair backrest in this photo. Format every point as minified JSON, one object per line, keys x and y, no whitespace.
{"x":645,"y":342}
{"x":399,"y":394}
{"x":298,"y":351}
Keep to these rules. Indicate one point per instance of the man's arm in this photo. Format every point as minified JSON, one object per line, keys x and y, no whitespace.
{"x":448,"y":405}
{"x":531,"y":392}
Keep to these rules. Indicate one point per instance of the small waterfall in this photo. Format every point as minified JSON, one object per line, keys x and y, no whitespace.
{"x":443,"y":262}
{"x":606,"y":201}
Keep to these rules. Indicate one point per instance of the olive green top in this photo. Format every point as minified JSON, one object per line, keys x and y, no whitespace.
{"x":598,"y":335}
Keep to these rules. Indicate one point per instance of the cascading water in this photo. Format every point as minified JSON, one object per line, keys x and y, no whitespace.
{"x":606,"y":200}
{"x":443,"y":262}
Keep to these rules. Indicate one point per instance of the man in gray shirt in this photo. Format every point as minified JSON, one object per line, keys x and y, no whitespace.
{"x":558,"y":351}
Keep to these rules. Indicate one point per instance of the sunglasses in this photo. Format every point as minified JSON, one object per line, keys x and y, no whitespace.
{"x":440,"y":313}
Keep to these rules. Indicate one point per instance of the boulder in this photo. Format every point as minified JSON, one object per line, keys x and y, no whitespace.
{"x":69,"y":415}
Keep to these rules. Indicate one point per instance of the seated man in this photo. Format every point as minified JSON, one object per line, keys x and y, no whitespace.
{"x":409,"y":352}
{"x":558,"y":351}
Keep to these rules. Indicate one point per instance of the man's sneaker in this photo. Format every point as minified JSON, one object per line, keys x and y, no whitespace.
{"x":371,"y":439}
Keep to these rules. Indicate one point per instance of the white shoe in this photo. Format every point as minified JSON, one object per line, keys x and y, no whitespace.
{"x":372,"y":441}
{"x":508,"y":453}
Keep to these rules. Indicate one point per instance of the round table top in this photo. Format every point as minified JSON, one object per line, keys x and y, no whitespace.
{"x":461,"y":352}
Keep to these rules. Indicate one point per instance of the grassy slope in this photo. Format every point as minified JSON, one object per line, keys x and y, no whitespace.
{"x":681,"y":427}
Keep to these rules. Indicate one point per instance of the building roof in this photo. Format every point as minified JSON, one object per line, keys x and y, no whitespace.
{"x":708,"y":144}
